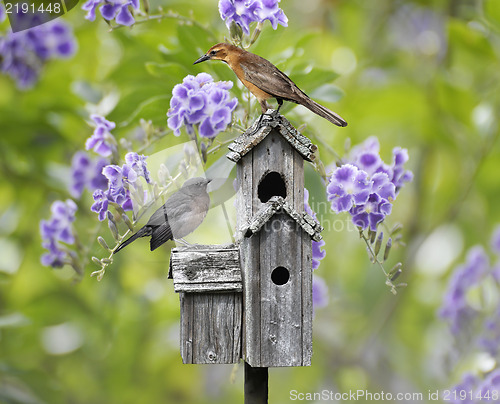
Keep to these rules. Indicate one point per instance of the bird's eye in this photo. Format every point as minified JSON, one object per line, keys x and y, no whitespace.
{"x":212,"y":53}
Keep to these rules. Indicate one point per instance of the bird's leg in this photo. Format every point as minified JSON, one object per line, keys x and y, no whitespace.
{"x":182,"y":241}
{"x":273,"y":115}
{"x":280,"y":104}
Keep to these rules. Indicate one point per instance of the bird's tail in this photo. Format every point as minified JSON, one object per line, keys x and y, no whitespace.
{"x":141,"y":233}
{"x":324,"y":112}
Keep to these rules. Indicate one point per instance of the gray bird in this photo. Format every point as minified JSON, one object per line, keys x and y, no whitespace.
{"x":181,"y":214}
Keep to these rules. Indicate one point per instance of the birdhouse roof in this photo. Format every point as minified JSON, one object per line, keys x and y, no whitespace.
{"x":276,"y":205}
{"x":263,"y":127}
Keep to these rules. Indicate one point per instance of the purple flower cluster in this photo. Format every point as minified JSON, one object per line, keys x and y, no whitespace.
{"x":472,"y":389}
{"x":319,"y":287}
{"x":455,"y":308}
{"x":317,"y":252}
{"x":244,"y":12}
{"x":490,"y":338}
{"x":319,"y":292}
{"x":87,"y":173}
{"x":119,"y":181}
{"x":366,"y":186}
{"x":102,"y":141}
{"x":201,"y":101}
{"x":118,"y":10}
{"x":489,"y":389}
{"x":56,"y":230}
{"x":23,"y":54}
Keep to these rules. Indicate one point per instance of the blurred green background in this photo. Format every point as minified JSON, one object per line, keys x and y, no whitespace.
{"x":423,"y":75}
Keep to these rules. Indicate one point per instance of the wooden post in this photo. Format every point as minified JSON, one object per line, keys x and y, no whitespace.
{"x":256,"y":385}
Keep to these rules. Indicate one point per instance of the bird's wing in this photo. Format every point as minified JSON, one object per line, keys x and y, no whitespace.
{"x":160,"y":235}
{"x":159,"y":217}
{"x":270,"y":79}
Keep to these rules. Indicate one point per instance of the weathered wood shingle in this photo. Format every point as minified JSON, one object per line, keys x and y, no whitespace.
{"x":276,"y":205}
{"x":255,"y":134}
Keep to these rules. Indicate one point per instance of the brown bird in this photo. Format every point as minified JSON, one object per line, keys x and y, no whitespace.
{"x":264,"y":80}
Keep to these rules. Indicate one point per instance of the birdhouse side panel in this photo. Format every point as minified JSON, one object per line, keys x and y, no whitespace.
{"x":298,"y":182}
{"x":250,"y":271}
{"x":282,"y":292}
{"x":244,"y":178}
{"x":307,"y":299}
{"x":211,"y":327}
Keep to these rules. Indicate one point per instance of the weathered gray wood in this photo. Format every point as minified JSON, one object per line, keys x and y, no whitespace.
{"x":307,"y":300}
{"x":251,"y":329}
{"x":206,"y":268}
{"x":253,"y":136}
{"x":209,"y":281}
{"x":211,"y":327}
{"x":278,"y":204}
{"x":281,"y":311}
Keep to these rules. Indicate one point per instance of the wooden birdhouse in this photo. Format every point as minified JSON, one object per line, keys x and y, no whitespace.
{"x":274,"y":234}
{"x":208,"y":280}
{"x":253,"y":299}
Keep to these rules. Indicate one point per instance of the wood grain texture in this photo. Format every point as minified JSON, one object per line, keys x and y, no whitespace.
{"x":208,"y":279}
{"x":210,"y":327}
{"x":206,"y":268}
{"x":255,"y":135}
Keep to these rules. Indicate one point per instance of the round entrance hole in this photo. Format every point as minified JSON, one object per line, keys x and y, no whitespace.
{"x":280,"y":275}
{"x":271,"y":185}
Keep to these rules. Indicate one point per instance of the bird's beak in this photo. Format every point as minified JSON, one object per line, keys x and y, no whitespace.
{"x":202,"y":59}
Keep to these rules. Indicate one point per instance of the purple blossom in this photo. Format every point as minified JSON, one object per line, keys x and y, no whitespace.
{"x":118,"y":10}
{"x":490,"y":387}
{"x":87,"y":173}
{"x":244,"y":12}
{"x":23,"y":54}
{"x":270,"y":11}
{"x":366,"y":157}
{"x":2,"y":13}
{"x":101,"y":141}
{"x":371,"y":213}
{"x":138,"y":164}
{"x":469,"y":383}
{"x":348,"y":187}
{"x":56,"y":230}
{"x":490,"y":338}
{"x":366,"y":187}
{"x":319,"y":292}
{"x":454,"y":308}
{"x":101,"y":203}
{"x":201,"y":101}
{"x":119,"y":180}
{"x":317,"y":252}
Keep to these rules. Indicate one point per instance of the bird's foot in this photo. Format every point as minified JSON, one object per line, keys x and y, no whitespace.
{"x":268,"y":118}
